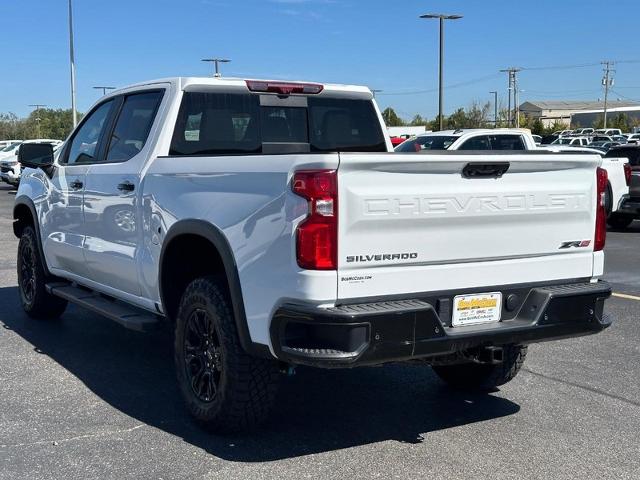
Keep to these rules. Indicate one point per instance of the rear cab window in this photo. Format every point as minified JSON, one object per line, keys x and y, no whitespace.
{"x":212,"y":123}
{"x":477,"y":143}
{"x":507,"y":142}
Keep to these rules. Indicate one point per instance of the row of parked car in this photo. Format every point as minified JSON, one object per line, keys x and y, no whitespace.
{"x":600,"y":139}
{"x":10,"y":168}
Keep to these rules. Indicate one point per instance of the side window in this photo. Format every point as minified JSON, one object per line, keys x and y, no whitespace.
{"x":84,"y":145}
{"x":132,"y":127}
{"x":507,"y":142}
{"x":476,"y":143}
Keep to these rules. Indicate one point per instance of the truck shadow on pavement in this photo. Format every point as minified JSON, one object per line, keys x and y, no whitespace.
{"x":317,"y":410}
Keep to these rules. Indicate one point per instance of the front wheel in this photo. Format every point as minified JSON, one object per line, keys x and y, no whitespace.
{"x":35,"y":300}
{"x":224,"y":388}
{"x":484,"y":377}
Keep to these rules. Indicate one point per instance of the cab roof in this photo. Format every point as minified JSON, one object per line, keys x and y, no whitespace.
{"x":233,"y":83}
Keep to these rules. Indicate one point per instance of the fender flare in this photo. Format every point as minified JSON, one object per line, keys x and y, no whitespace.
{"x":24,"y":200}
{"x":219,"y":241}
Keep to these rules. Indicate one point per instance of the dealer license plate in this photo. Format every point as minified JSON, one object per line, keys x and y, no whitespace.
{"x":476,"y":309}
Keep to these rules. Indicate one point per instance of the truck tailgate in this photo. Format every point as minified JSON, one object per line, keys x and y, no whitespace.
{"x":415,"y":223}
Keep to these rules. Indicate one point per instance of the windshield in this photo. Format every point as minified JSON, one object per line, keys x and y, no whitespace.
{"x":10,"y":147}
{"x":428,"y":142}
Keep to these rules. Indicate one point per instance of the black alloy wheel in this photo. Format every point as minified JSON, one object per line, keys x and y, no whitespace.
{"x":27,"y":273}
{"x":202,"y":355}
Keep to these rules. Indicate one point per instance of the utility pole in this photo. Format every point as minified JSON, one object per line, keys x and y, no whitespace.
{"x":516,"y":99}
{"x":217,"y":62}
{"x":513,"y":91}
{"x":104,"y":89}
{"x":73,"y":68}
{"x":495,"y":108}
{"x":442,"y":18}
{"x":607,"y":83}
{"x":37,"y":106}
{"x":374,"y":91}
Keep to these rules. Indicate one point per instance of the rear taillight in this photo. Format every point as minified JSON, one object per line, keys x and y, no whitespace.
{"x":601,"y":212}
{"x":627,"y":173}
{"x":317,"y":235}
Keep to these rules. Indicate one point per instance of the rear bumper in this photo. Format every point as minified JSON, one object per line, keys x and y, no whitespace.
{"x":630,"y":206}
{"x":398,"y":330}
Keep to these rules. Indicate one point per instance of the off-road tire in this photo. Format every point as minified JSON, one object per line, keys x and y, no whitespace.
{"x":618,"y":221}
{"x":32,"y":278}
{"x":608,"y":200}
{"x":484,"y":377}
{"x":246,"y":385}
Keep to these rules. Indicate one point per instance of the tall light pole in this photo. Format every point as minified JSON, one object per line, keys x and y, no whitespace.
{"x":442,"y":18}
{"x":495,"y":108}
{"x":37,"y":106}
{"x":104,"y":89}
{"x":374,"y":91}
{"x":73,"y":68}
{"x":217,"y":62}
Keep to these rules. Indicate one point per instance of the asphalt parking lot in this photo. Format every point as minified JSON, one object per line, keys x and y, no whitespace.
{"x":84,"y":398}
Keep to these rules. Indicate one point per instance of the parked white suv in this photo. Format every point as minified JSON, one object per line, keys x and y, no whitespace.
{"x":272,"y":224}
{"x":10,"y":168}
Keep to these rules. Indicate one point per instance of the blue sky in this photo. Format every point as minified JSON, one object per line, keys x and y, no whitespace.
{"x":378,"y":43}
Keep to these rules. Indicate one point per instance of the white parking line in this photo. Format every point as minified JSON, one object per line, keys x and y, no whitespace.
{"x":628,"y":297}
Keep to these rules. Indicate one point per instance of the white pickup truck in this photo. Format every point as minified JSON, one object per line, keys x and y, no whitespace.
{"x":272,"y":225}
{"x":510,"y":139}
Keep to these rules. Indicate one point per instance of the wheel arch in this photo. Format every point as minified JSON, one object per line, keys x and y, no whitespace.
{"x":25,"y":214}
{"x":198,"y":235}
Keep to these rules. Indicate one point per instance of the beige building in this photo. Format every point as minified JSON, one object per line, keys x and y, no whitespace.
{"x":551,"y":111}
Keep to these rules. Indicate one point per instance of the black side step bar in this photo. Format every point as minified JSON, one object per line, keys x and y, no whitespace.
{"x":130,"y":317}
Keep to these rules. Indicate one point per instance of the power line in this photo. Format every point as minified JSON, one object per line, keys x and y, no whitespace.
{"x":562,"y":67}
{"x":454,"y":85}
{"x":622,"y":96}
{"x":579,"y":65}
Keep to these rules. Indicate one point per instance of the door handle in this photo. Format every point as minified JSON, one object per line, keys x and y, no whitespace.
{"x":126,"y":187}
{"x":76,"y":185}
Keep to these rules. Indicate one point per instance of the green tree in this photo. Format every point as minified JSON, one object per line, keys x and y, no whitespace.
{"x":477,"y":115}
{"x":457,"y":119}
{"x":418,"y":121}
{"x":42,"y":123}
{"x":391,"y":119}
{"x":537,"y":127}
{"x":9,"y":124}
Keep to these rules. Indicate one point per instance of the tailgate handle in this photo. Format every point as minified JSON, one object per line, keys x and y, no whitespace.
{"x":485,"y":170}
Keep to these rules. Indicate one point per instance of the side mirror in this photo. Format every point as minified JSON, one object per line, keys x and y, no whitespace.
{"x":36,"y":155}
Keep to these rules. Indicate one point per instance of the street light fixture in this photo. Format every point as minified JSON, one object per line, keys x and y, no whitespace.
{"x":442,"y":18}
{"x":217,"y":62}
{"x":104,"y":89}
{"x":374,"y":91}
